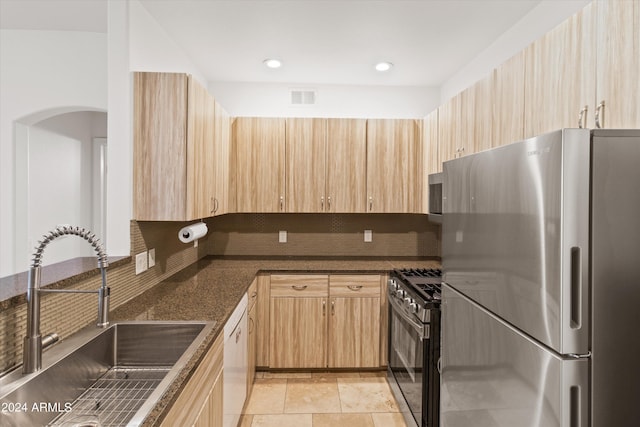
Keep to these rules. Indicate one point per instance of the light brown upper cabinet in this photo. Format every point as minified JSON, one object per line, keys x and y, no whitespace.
{"x":560,"y":76}
{"x":346,"y":165}
{"x":480,"y":113}
{"x":618,"y":63}
{"x":326,"y":165}
{"x":223,"y":196}
{"x":449,"y":137}
{"x":508,"y":101}
{"x":431,"y":157}
{"x":173,"y":148}
{"x":465,"y":122}
{"x":306,"y":165}
{"x":260,"y":164}
{"x":394,"y":166}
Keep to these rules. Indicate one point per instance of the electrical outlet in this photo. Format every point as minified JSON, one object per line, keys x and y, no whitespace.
{"x":152,"y":257}
{"x":141,"y":262}
{"x":282,"y":236}
{"x":368,"y":236}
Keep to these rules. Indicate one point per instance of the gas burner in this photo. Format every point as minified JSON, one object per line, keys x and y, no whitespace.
{"x":420,"y":272}
{"x":425,"y":281}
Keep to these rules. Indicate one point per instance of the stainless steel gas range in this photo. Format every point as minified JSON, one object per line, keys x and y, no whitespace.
{"x":414,"y":343}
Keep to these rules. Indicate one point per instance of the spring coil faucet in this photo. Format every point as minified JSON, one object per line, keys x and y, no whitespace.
{"x":33,"y":342}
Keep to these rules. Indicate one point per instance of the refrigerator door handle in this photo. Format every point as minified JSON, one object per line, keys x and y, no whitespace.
{"x":576,"y":393}
{"x":576,"y":288}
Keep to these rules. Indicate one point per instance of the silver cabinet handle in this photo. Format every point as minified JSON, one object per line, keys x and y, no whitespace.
{"x":354,"y":287}
{"x":254,"y":294}
{"x":600,"y":115}
{"x":333,"y":307}
{"x":370,"y":203}
{"x":299,"y":287}
{"x":251,"y":325}
{"x":281,"y":203}
{"x":582,"y":117}
{"x":322,"y":203}
{"x":329,"y":203}
{"x":324,"y":308}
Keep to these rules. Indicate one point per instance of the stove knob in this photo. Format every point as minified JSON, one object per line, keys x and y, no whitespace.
{"x":411,"y":304}
{"x":400,"y":294}
{"x":414,"y":307}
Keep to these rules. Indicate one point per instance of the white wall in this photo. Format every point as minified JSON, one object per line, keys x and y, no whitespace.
{"x":152,"y":49}
{"x":42,"y":71}
{"x":542,"y":18}
{"x":273,"y":100}
{"x":60,"y":174}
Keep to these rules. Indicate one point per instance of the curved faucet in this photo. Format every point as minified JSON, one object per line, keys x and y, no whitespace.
{"x":33,"y":342}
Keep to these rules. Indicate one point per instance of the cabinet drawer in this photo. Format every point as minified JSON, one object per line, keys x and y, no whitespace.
{"x":299,"y":285}
{"x":354,"y":285}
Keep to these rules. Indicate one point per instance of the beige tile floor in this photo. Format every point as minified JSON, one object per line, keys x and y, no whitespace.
{"x":319,"y":399}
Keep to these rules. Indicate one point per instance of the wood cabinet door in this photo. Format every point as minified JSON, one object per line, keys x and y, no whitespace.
{"x":260,"y":164}
{"x":431,"y":158}
{"x":251,"y":349}
{"x":346,"y":185}
{"x":481,"y":115}
{"x":212,"y":411}
{"x":306,"y":150}
{"x":263,"y":303}
{"x":560,"y":72}
{"x":393,"y":166}
{"x":618,"y":58}
{"x":159,"y":146}
{"x":298,"y":333}
{"x":508,"y":113}
{"x":354,"y":333}
{"x":449,"y":115}
{"x":221,"y":163}
{"x":200,"y":167}
{"x":200,"y":401}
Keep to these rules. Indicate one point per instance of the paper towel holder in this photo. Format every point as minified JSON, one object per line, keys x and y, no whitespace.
{"x":193,"y":232}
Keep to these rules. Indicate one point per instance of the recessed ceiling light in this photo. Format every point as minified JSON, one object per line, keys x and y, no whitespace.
{"x":272,"y":63}
{"x":384,"y":66}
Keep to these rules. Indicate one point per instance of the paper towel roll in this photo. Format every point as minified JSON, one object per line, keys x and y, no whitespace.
{"x":192,"y":232}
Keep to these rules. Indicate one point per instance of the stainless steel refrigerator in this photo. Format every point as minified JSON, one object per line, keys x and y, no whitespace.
{"x":541,"y":300}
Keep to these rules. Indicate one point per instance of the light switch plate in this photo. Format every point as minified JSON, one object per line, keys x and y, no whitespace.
{"x":282,"y":236}
{"x":152,"y":257}
{"x":368,"y":236}
{"x":141,"y":262}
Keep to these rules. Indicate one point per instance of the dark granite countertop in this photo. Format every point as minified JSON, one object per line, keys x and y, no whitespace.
{"x":211,"y":288}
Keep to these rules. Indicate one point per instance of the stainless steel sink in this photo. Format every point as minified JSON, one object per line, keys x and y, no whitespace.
{"x":104,"y":377}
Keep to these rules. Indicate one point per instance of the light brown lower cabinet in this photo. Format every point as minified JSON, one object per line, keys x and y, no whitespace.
{"x":200,"y":402}
{"x":251,"y":365}
{"x":325,"y":321}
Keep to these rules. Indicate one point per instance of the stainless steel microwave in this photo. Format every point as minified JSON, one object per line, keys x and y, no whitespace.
{"x":435,"y":197}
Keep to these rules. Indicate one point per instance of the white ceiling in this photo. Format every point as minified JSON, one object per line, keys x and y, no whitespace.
{"x":319,"y":41}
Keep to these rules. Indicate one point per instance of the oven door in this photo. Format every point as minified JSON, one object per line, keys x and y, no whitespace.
{"x":408,"y":341}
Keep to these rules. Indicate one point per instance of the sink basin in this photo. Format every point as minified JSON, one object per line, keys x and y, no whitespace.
{"x":111,"y":376}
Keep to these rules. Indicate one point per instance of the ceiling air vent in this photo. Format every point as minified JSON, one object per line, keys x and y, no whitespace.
{"x":303,"y":97}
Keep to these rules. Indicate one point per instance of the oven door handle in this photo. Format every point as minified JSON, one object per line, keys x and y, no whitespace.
{"x":423,"y":331}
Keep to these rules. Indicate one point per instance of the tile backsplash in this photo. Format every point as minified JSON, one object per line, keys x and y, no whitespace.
{"x":253,"y":235}
{"x":68,"y":313}
{"x":393,"y":235}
